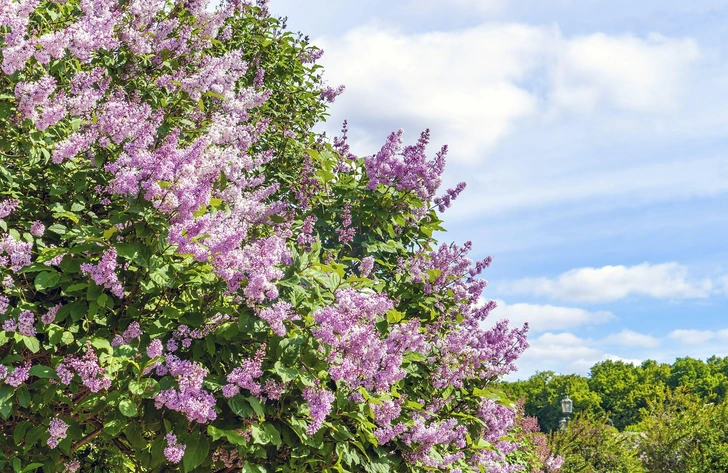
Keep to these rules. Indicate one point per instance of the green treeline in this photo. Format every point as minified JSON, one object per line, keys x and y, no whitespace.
{"x":651,"y":418}
{"x":621,"y":391}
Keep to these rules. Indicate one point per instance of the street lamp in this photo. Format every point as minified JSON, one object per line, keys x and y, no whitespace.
{"x":567,"y":407}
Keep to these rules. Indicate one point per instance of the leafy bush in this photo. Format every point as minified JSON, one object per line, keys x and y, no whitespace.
{"x":590,"y":445}
{"x":193,"y":280}
{"x":681,"y":433}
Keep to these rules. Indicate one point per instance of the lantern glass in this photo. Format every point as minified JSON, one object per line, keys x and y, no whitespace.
{"x":567,"y":405}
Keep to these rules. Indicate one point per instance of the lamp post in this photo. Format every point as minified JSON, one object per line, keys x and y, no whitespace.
{"x":567,"y":407}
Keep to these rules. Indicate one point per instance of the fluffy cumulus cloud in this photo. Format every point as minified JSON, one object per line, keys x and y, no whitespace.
{"x":611,"y":283}
{"x":629,"y":73}
{"x":697,"y":337}
{"x":560,"y":352}
{"x":541,"y":318}
{"x":474,"y":85}
{"x":630,"y":338}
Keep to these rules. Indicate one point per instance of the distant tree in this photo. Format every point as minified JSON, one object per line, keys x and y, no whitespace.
{"x":544,"y":391}
{"x":590,"y":445}
{"x":680,"y":433}
{"x":707,"y":380}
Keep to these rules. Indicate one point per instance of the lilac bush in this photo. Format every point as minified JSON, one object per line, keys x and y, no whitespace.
{"x":194,"y":280}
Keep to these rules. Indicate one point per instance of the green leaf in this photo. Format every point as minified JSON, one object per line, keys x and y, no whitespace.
{"x":128,"y":407}
{"x":67,"y":338}
{"x":58,"y":228}
{"x":23,"y":396}
{"x":195,"y":452}
{"x":32,"y":467}
{"x":273,"y":434}
{"x":32,"y":343}
{"x":101,"y":344}
{"x":6,"y":400}
{"x":45,"y":372}
{"x":46,"y":280}
{"x":259,"y":435}
{"x":287,"y":374}
{"x":256,"y":405}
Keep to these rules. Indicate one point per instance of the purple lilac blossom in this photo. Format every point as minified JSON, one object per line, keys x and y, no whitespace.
{"x":18,"y":251}
{"x":155,"y":348}
{"x":87,"y":367}
{"x":189,"y":398}
{"x":346,"y":232}
{"x":174,"y":451}
{"x":50,"y":316}
{"x":57,"y":430}
{"x":7,"y":206}
{"x":319,"y":406}
{"x":26,"y":323}
{"x":4,"y":302}
{"x":104,"y":273}
{"x":277,"y":314}
{"x":367,"y":264}
{"x":246,"y":375}
{"x":19,"y":375}
{"x":72,"y":466}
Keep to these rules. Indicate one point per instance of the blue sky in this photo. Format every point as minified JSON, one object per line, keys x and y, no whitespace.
{"x":592,"y":135}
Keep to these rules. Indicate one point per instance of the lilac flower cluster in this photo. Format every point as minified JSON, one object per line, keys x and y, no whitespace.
{"x":71,"y":466}
{"x":444,"y":202}
{"x":19,"y":375}
{"x":329,"y":94}
{"x":132,"y":332}
{"x":185,"y":335}
{"x":7,"y":206}
{"x":406,"y":168}
{"x":306,"y":238}
{"x":319,"y":405}
{"x":57,"y":430}
{"x":155,"y":348}
{"x":246,"y":376}
{"x":189,"y":398}
{"x":385,"y":412}
{"x":498,"y":421}
{"x":423,"y":436}
{"x":173,"y":451}
{"x":346,"y":232}
{"x":358,"y":355}
{"x":25,"y":324}
{"x":4,"y":302}
{"x":87,"y":368}
{"x":277,"y":314}
{"x":478,"y":353}
{"x":50,"y":316}
{"x":104,"y":273}
{"x":37,"y":229}
{"x":18,"y":253}
{"x":367,"y":264}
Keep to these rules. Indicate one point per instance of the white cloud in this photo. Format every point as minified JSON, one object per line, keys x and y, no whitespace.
{"x":560,"y":346}
{"x":463,"y":83}
{"x":474,"y":85}
{"x":610,"y":283}
{"x":631,"y":339}
{"x":548,"y":317}
{"x":629,"y":73}
{"x":692,"y":337}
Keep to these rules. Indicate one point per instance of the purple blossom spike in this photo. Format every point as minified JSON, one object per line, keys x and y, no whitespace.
{"x":174,"y":451}
{"x":57,"y":429}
